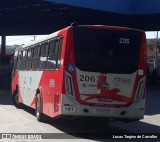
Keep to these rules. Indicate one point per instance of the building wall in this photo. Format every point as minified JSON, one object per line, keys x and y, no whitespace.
{"x":129,"y":7}
{"x":153,"y":51}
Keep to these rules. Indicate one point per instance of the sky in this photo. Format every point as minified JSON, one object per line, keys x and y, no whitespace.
{"x":19,"y":40}
{"x":152,"y":34}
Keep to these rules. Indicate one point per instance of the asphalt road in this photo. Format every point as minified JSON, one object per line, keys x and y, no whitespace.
{"x":13,"y":120}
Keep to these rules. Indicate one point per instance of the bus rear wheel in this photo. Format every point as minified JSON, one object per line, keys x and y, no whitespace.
{"x":15,"y":100}
{"x":38,"y":111}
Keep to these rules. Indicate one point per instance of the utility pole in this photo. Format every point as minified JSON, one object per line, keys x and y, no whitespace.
{"x":3,"y":43}
{"x":157,"y":45}
{"x":34,"y":38}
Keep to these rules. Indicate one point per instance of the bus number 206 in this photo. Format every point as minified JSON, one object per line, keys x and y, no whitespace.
{"x":90,"y":78}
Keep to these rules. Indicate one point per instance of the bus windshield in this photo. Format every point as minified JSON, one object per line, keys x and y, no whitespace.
{"x":107,"y":51}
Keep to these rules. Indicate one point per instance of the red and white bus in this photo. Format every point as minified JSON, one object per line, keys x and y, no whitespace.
{"x":83,"y":70}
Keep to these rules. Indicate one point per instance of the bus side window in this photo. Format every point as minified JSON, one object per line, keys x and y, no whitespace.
{"x":29,"y":58}
{"x":35,"y":63}
{"x":24,"y":59}
{"x":19,"y":60}
{"x":15,"y":61}
{"x":43,"y":56}
{"x":59,"y":49}
{"x":52,"y":56}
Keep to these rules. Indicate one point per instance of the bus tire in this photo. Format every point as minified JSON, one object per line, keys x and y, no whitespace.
{"x":38,"y":111}
{"x":15,"y":101}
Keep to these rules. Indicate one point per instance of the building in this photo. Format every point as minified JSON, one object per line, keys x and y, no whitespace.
{"x":153,"y":48}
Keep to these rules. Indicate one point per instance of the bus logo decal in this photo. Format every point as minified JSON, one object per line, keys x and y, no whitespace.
{"x":122,"y":80}
{"x":84,"y":85}
{"x":105,"y":85}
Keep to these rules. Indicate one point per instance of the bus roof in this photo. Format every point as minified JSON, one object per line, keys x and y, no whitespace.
{"x":74,"y":25}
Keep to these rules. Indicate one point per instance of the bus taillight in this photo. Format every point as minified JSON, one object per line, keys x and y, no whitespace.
{"x":69,"y":84}
{"x":140,"y":90}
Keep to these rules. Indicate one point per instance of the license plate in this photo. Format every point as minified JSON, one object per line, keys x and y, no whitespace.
{"x":90,"y":91}
{"x":105,"y":100}
{"x":102,"y":110}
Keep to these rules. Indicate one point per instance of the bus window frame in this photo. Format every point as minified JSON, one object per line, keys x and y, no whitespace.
{"x":52,"y":55}
{"x":57,"y":51}
{"x":24,"y":59}
{"x":30,"y":58}
{"x":15,"y":61}
{"x":36,"y":55}
{"x":45,"y":43}
{"x":19,"y":59}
